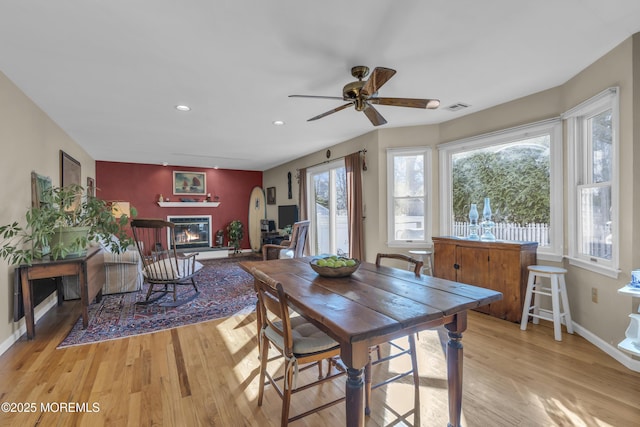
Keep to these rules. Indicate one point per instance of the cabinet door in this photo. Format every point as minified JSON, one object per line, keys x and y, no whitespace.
{"x":444,"y":260}
{"x":505,"y":277}
{"x":474,"y":269}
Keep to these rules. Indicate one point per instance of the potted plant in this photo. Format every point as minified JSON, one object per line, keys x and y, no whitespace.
{"x":236,"y":232}
{"x":63,"y":225}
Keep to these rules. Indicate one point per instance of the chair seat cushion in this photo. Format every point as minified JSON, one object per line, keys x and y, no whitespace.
{"x":307,"y":338}
{"x":285,"y":253}
{"x":165,"y":269}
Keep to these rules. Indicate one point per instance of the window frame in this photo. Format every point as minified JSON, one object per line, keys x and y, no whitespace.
{"x":392,"y":153}
{"x":578,"y":164}
{"x":551,"y":127}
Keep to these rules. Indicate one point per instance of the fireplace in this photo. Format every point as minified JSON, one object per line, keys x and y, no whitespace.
{"x":192,"y":231}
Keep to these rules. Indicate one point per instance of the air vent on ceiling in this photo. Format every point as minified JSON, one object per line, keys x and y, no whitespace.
{"x":457,"y":106}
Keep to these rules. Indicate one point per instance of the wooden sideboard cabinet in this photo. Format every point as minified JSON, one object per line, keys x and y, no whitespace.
{"x":499,"y":265}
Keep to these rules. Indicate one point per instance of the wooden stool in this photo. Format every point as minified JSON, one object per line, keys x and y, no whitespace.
{"x":557,"y":292}
{"x":427,"y":263}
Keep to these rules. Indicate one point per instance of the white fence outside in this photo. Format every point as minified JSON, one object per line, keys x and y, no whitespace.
{"x":509,"y":231}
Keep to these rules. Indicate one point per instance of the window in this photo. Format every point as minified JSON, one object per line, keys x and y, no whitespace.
{"x":329,"y":232}
{"x":409,"y":202}
{"x":593,"y":185}
{"x":520,"y":171}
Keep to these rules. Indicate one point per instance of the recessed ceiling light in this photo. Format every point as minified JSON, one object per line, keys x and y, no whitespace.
{"x":183,"y":108}
{"x":165,"y":164}
{"x":278,"y":122}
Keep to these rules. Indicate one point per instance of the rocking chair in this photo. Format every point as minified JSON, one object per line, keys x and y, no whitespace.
{"x":162,"y":265}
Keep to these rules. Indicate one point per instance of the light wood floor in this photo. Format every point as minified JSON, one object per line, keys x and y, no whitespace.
{"x":206,"y":375}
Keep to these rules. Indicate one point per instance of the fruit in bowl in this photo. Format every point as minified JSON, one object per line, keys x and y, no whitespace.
{"x":334,"y":266}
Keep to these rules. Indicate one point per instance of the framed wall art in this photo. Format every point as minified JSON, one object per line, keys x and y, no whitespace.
{"x":39,"y":183}
{"x":193,"y":183}
{"x":91,"y":187}
{"x":70,"y":171}
{"x":271,"y":195}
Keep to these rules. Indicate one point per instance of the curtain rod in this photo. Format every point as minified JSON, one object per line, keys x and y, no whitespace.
{"x":364,"y":164}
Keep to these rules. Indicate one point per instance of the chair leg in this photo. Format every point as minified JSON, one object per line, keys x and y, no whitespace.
{"x":149,"y":291}
{"x":414,"y":361}
{"x":565,"y":305}
{"x":193,"y":282}
{"x":286,"y":393}
{"x":264,"y":356}
{"x":555,"y":306}
{"x":527,"y":303}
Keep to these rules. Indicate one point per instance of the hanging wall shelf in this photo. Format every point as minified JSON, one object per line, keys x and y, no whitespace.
{"x":188,"y":204}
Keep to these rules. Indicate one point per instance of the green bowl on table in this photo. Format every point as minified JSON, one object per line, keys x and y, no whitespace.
{"x":334,"y":266}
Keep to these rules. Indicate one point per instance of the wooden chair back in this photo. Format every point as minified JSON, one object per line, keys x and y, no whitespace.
{"x":273,"y":308}
{"x":299,"y":234}
{"x":417,"y":264}
{"x":155,"y":241}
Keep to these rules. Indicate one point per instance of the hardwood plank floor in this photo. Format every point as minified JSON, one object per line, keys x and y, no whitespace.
{"x":206,"y":375}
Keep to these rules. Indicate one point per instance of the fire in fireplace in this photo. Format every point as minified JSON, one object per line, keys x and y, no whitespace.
{"x":192,"y":231}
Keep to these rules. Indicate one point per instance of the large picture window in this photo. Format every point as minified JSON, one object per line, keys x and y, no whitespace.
{"x":593,"y":185}
{"x":520,"y":171}
{"x":409,"y":201}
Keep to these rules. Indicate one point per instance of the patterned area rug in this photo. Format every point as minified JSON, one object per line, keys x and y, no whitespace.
{"x":225,"y":290}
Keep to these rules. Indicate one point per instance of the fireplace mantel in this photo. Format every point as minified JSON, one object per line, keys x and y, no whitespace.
{"x":188,"y":204}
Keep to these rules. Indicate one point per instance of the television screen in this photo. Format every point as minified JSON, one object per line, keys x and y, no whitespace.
{"x":287,"y":215}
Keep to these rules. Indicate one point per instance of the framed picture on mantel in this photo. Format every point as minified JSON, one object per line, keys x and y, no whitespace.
{"x":193,"y":183}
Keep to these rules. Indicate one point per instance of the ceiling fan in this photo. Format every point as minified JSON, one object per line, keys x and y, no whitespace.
{"x":362,"y":94}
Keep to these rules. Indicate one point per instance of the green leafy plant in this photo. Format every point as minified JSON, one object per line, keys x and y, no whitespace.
{"x":236,"y":233}
{"x":62,"y":208}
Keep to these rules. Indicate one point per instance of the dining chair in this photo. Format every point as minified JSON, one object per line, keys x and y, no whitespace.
{"x":292,"y":248}
{"x":399,"y":350}
{"x":296,"y":340}
{"x":163,"y":267}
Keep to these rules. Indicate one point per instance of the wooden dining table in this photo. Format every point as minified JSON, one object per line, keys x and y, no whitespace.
{"x":373,"y":306}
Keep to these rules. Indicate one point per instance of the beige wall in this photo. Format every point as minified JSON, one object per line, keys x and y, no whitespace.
{"x":604,"y":322}
{"x":31,"y":141}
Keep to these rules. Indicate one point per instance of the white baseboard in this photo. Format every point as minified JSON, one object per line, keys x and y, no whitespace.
{"x":50,"y":302}
{"x":625,"y":359}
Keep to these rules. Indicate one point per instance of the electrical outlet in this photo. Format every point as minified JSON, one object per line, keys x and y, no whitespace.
{"x":594,"y":295}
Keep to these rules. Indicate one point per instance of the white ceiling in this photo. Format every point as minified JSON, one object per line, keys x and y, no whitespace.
{"x":110,"y":72}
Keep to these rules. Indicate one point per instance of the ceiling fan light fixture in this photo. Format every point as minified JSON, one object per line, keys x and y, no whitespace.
{"x":361,"y":94}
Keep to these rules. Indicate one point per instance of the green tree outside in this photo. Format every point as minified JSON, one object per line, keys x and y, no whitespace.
{"x":515,"y":176}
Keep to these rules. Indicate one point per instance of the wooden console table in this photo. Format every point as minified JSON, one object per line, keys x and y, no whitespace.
{"x":500,"y":265}
{"x":91,"y":277}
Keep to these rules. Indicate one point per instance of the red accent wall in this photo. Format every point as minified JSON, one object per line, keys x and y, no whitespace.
{"x":142,"y":184}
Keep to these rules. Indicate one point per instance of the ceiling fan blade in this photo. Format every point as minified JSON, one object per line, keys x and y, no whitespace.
{"x":406,"y":102}
{"x":335,"y":110}
{"x":373,"y":115}
{"x":379,"y":77}
{"x":316,"y":96}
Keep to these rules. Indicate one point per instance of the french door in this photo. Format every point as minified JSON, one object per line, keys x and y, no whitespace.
{"x":327,"y":192}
